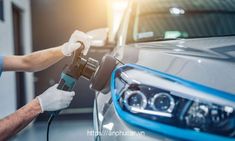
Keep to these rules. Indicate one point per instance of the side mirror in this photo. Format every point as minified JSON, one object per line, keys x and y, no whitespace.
{"x":99,"y":37}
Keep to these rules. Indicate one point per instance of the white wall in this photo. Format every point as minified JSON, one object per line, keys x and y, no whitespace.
{"x":7,"y":81}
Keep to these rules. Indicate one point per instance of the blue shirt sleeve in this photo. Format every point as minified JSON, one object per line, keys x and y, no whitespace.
{"x":1,"y":64}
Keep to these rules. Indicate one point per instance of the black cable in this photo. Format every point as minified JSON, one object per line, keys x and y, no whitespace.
{"x":49,"y":124}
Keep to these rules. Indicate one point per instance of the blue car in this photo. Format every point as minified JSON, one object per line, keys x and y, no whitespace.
{"x":175,"y":78}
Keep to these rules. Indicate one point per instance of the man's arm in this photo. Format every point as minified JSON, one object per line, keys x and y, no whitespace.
{"x":51,"y":100}
{"x":33,"y":62}
{"x":40,"y":60}
{"x":13,"y":123}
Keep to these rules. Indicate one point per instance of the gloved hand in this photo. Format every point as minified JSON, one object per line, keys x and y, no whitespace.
{"x":53,"y":99}
{"x":74,"y":43}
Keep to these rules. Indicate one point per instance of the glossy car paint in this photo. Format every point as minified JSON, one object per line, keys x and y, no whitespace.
{"x":207,"y":61}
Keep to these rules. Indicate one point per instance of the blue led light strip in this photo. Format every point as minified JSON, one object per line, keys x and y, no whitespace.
{"x":168,"y":130}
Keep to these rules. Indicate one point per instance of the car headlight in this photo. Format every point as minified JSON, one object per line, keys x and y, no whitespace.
{"x":165,"y":101}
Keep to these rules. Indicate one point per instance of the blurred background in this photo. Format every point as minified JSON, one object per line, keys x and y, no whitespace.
{"x":32,"y":25}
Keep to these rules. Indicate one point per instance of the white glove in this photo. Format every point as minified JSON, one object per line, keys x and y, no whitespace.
{"x":53,"y":99}
{"x":74,"y":43}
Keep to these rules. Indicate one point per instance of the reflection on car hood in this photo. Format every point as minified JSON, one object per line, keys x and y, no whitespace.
{"x":208,"y":61}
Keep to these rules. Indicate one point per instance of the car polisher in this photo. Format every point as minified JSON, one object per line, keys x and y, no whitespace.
{"x":97,"y":74}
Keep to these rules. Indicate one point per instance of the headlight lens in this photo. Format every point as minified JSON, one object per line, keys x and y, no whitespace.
{"x":134,"y":99}
{"x":162,"y":102}
{"x":167,"y":101}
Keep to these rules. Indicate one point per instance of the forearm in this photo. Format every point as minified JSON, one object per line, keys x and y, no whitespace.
{"x":13,"y":123}
{"x":41,"y":60}
{"x":33,"y":62}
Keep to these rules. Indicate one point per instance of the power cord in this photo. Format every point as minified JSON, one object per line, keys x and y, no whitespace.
{"x":49,"y":124}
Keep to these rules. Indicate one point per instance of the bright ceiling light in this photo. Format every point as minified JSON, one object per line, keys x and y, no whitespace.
{"x":176,"y":11}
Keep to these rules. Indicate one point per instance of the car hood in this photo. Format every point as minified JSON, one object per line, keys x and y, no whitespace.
{"x":207,"y":61}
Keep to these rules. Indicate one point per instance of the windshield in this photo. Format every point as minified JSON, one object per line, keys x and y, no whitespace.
{"x":153,"y":20}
